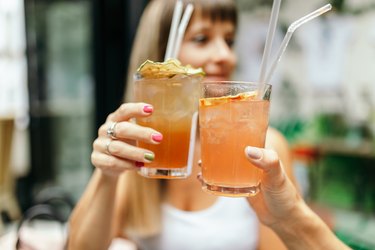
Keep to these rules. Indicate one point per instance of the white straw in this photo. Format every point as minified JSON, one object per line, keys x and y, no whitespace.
{"x":310,"y":16}
{"x":172,"y":33}
{"x":181,"y":30}
{"x":289,"y":34}
{"x":269,"y":40}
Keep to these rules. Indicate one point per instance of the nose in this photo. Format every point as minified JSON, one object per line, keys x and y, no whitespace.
{"x":223,"y":53}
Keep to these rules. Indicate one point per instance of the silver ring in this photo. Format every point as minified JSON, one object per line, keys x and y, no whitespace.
{"x":200,"y":163}
{"x":111,"y":133}
{"x":107,"y":147}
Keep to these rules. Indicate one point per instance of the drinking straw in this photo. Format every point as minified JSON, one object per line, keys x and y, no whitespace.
{"x":181,"y":29}
{"x":270,"y":34}
{"x":289,"y":34}
{"x":193,"y":133}
{"x":172,"y":33}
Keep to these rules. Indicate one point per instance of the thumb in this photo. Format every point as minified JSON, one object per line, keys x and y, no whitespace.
{"x":269,"y":162}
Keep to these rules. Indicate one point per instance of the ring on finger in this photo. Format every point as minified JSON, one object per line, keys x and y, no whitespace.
{"x":111,"y":131}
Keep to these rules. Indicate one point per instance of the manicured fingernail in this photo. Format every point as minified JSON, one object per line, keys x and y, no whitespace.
{"x":148,"y":109}
{"x":253,"y":153}
{"x":157,"y":137}
{"x":139,"y":164}
{"x":149,"y":156}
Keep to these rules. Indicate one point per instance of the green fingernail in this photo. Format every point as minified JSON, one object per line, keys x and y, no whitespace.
{"x":149,"y":156}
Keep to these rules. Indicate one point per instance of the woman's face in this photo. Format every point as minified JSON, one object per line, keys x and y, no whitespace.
{"x":209,"y":45}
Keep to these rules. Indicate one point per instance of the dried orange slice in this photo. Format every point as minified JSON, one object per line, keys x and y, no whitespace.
{"x":246,"y":96}
{"x":167,"y":69}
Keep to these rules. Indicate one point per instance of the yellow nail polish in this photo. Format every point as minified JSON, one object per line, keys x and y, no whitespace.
{"x":149,"y":156}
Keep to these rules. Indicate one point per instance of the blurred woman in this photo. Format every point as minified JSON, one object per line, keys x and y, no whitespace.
{"x":169,"y":214}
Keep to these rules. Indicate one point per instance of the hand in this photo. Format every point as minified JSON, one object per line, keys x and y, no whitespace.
{"x":117,"y":153}
{"x":278,"y":198}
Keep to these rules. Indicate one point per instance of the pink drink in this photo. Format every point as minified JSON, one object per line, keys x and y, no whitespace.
{"x":230,"y":120}
{"x":174,"y":96}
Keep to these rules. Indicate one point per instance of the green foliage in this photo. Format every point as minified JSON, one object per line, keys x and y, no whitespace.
{"x":352,"y":242}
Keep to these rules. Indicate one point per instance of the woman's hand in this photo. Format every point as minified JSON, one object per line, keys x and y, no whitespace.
{"x":114,"y":150}
{"x":279,"y":206}
{"x":278,"y":197}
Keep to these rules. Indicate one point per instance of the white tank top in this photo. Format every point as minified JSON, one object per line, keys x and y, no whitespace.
{"x":228,"y":224}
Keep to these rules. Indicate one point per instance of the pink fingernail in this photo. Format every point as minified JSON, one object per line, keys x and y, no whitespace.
{"x":148,"y":109}
{"x":157,"y":137}
{"x":139,"y":164}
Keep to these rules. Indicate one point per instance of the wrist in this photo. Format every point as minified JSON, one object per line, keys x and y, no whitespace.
{"x":110,"y":174}
{"x":107,"y":183}
{"x":108,"y":177}
{"x":301,"y":229}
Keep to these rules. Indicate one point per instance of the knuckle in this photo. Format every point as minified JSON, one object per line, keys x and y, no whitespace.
{"x":115,"y":150}
{"x":93,"y":158}
{"x":96,"y":143}
{"x":123,"y":107}
{"x":110,"y":116}
{"x":121,"y":128}
{"x":102,"y":129}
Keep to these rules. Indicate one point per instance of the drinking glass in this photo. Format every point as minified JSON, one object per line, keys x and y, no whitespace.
{"x":175,"y":102}
{"x":231,"y":116}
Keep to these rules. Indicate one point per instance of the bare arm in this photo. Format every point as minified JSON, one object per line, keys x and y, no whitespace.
{"x":305,"y":230}
{"x":90,"y":224}
{"x":96,"y":218}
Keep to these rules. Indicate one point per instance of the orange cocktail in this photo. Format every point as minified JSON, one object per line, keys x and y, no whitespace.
{"x":174,"y":96}
{"x":231,"y":117}
{"x":173,"y":151}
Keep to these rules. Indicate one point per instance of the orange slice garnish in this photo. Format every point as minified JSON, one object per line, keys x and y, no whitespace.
{"x":246,"y":96}
{"x":167,"y":69}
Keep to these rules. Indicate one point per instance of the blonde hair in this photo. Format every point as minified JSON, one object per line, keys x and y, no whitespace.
{"x":144,"y":196}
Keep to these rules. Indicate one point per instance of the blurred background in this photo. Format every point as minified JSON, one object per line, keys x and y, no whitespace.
{"x":62,"y":71}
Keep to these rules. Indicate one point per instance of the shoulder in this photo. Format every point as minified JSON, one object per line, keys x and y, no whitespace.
{"x":276,"y":141}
